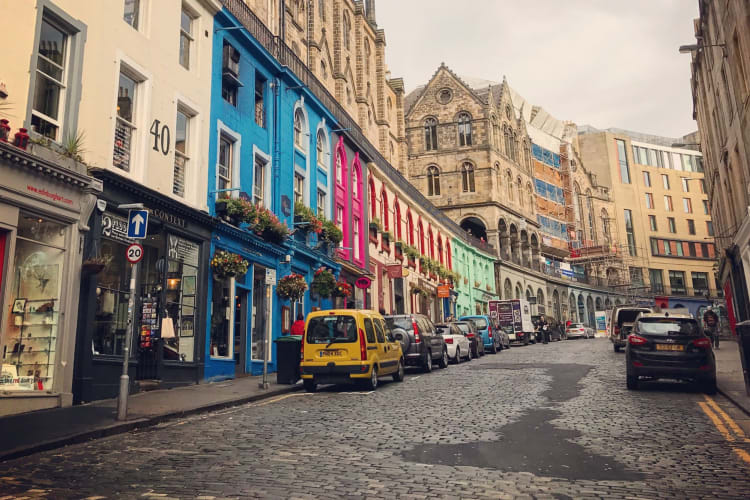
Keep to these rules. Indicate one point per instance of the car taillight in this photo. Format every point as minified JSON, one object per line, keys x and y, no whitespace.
{"x":417,"y":340}
{"x":469,"y":335}
{"x":449,"y":340}
{"x":636,"y":340}
{"x":362,"y":346}
{"x":617,"y":330}
{"x":489,"y":331}
{"x":703,"y":343}
{"x":302,"y":346}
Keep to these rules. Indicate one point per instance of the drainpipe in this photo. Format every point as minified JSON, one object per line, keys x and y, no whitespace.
{"x":276,"y":147}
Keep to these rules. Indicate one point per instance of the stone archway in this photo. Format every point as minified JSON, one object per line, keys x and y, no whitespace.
{"x":540,"y":305}
{"x":618,"y":302}
{"x":590,"y":310}
{"x":535,"y":264}
{"x":607,"y":303}
{"x":556,"y":305}
{"x":475,"y":227}
{"x":598,"y":303}
{"x":564,"y":313}
{"x":519,"y":291}
{"x":515,"y":245}
{"x":581,"y":309}
{"x":507,"y":289}
{"x":525,"y":249}
{"x":503,"y":239}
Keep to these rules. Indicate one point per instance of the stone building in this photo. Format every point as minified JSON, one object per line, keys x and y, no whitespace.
{"x":340,"y":43}
{"x":721,"y":105}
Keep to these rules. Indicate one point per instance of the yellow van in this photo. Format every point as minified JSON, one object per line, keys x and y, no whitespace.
{"x":349,"y":346}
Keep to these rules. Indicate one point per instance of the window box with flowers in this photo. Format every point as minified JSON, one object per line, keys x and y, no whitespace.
{"x":330,"y":236}
{"x":259,"y":220}
{"x":385,"y":241}
{"x":398,"y":250}
{"x":292,"y":287}
{"x":306,"y":222}
{"x":412,"y":254}
{"x":228,"y":265}
{"x":375,"y":228}
{"x":323,"y":283}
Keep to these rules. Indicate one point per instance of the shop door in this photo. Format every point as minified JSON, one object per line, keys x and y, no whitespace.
{"x":398,"y":295}
{"x":240,"y":331}
{"x":259,"y":314}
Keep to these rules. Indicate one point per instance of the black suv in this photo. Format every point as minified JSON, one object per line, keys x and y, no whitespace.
{"x":421,"y":344}
{"x":670,"y":346}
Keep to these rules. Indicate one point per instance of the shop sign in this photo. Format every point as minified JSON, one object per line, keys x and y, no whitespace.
{"x":394,"y":271}
{"x":182,"y":250}
{"x":270,"y":276}
{"x":363,"y":282}
{"x":443,"y":291}
{"x":115,"y":227}
{"x":167,"y":217}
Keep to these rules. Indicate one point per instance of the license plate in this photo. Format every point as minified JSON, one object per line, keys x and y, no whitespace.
{"x":670,"y":347}
{"x":327,"y":354}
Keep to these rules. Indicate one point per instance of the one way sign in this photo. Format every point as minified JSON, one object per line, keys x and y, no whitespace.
{"x":137,"y":224}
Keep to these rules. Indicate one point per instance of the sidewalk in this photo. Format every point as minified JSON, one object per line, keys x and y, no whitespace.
{"x":729,"y":378}
{"x":46,"y":429}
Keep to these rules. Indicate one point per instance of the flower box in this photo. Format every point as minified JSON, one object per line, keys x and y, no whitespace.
{"x":373,"y":235}
{"x":411,"y":263}
{"x":397,"y":251}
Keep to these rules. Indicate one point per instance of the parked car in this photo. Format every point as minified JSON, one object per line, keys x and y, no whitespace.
{"x":349,"y":346}
{"x":670,"y":346}
{"x":470,"y":330}
{"x":556,"y":331}
{"x":421,"y":344}
{"x":459,"y":346}
{"x":623,"y":320}
{"x":577,"y":331}
{"x":492,"y":338}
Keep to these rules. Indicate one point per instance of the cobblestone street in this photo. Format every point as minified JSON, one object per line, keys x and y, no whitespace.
{"x":542,"y":421}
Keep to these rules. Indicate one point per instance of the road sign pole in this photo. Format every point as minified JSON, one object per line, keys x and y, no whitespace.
{"x":122,"y":398}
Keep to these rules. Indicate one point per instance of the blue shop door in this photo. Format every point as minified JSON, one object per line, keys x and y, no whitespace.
{"x":240,"y":330}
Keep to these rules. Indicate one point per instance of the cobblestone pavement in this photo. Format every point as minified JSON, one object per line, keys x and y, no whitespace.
{"x":541,"y":421}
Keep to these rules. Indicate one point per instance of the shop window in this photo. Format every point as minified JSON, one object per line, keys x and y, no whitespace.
{"x":30,"y":339}
{"x":178,"y":324}
{"x":112,"y":292}
{"x":221,"y":312}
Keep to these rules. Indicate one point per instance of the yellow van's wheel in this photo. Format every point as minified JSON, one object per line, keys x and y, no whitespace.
{"x":310,"y":385}
{"x":372,"y":383}
{"x":399,"y":375}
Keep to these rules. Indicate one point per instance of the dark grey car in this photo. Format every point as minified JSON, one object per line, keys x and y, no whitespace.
{"x":421,"y":344}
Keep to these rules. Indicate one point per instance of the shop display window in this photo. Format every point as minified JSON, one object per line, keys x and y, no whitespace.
{"x":30,"y":338}
{"x":112,"y":294}
{"x":221,"y":317}
{"x":178,"y":324}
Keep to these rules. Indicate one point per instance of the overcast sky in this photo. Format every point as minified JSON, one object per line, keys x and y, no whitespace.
{"x":606,"y":63}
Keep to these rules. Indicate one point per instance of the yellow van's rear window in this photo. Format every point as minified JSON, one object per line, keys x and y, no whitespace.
{"x":327,"y":329}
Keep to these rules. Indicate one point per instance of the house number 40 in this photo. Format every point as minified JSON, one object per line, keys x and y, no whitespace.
{"x":161,"y":137}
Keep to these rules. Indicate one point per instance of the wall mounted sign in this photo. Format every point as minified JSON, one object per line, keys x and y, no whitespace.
{"x":443,"y":291}
{"x":394,"y":271}
{"x":363,"y":282}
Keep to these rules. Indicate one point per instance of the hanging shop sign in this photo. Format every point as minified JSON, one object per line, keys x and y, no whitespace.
{"x":394,"y":271}
{"x":363,"y":282}
{"x":443,"y":291}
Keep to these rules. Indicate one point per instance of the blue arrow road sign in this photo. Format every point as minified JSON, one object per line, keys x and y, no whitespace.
{"x":137,"y":224}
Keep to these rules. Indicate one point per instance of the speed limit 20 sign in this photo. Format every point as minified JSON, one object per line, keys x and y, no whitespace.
{"x":134,"y":253}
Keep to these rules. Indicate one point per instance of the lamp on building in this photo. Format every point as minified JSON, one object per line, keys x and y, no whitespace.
{"x":690,"y":48}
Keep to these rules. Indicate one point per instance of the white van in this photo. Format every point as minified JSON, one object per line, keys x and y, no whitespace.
{"x":623,"y":320}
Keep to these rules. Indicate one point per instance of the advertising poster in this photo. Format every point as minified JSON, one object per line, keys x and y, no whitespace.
{"x":601,"y":324}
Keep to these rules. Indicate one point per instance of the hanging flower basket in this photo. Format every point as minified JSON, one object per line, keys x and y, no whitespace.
{"x":343,"y":289}
{"x":291,"y":286}
{"x":94,"y":265}
{"x":309,"y":222}
{"x":323,"y":284}
{"x":228,"y":265}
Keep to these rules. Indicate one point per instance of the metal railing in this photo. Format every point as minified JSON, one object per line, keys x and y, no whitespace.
{"x":286,"y":56}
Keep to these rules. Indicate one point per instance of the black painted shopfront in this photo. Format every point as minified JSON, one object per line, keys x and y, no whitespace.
{"x":170,"y":310}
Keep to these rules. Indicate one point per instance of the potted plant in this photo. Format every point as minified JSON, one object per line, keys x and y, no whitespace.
{"x":386,"y":240}
{"x":292,"y":287}
{"x":228,"y":265}
{"x":306,"y":218}
{"x":412,"y":254}
{"x":398,"y":250}
{"x":323,"y":283}
{"x":220,"y":206}
{"x":93,"y":265}
{"x":374,"y":230}
{"x":269,"y":227}
{"x":343,"y":289}
{"x":330,"y":235}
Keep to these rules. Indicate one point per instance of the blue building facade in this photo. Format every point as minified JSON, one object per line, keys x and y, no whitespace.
{"x":270,"y":147}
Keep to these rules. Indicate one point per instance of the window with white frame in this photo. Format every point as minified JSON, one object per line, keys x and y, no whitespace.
{"x":125,"y":129}
{"x":299,"y":188}
{"x":321,"y":203}
{"x":186,"y":37}
{"x":299,"y":120}
{"x":181,"y":152}
{"x":50,"y":90}
{"x":320,"y":147}
{"x":355,"y":183}
{"x":355,"y":237}
{"x":225,"y":165}
{"x":132,"y":12}
{"x":340,"y":220}
{"x":259,"y":179}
